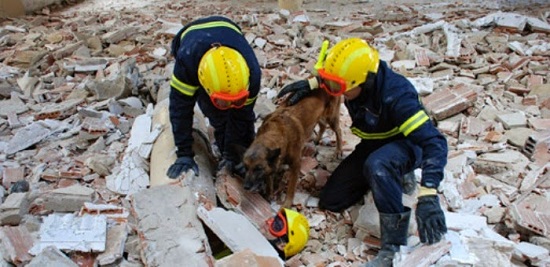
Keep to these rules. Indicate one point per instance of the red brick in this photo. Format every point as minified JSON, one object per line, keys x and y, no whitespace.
{"x":529,"y":100}
{"x":539,"y":124}
{"x":534,"y":80}
{"x":12,"y":175}
{"x":448,"y":102}
{"x":251,"y":205}
{"x":421,"y":58}
{"x":20,"y":241}
{"x":519,"y":90}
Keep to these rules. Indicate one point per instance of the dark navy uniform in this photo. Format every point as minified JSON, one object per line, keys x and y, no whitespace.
{"x":397,"y":136}
{"x":232,"y":126}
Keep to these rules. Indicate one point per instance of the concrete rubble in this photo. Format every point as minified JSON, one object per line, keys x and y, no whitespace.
{"x":85,"y":138}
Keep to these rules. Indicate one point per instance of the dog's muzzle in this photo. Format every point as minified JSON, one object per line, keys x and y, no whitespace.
{"x":254,"y":186}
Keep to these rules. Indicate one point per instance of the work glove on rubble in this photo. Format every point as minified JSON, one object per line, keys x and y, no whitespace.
{"x":181,"y":165}
{"x":298,"y":89}
{"x":430,"y":218}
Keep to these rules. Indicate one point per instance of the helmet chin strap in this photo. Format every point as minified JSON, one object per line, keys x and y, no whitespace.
{"x":370,"y":82}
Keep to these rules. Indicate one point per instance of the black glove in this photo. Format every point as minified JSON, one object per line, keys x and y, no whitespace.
{"x":181,"y":165}
{"x":298,"y":89}
{"x":430,"y":219}
{"x":232,"y":167}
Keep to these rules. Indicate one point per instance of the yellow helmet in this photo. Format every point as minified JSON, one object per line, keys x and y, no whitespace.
{"x":351,"y":60}
{"x":298,"y":232}
{"x":223,"y":70}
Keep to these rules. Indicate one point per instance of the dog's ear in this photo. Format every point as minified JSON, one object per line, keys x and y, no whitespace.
{"x":272,"y":154}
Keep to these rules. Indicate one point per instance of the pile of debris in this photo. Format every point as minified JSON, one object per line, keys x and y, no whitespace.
{"x":85,"y":139}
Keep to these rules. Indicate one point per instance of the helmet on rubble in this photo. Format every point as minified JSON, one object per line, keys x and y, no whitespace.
{"x":224,"y":74}
{"x":293,"y":226}
{"x":347,"y":65}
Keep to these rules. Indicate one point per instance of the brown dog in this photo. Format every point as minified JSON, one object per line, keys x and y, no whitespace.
{"x":280,"y":140}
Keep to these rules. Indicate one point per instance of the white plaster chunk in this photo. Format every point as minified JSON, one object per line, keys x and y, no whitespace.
{"x":459,"y":251}
{"x":532,"y":252}
{"x":260,"y":42}
{"x":133,"y":173}
{"x":68,"y":232}
{"x":131,"y":177}
{"x":459,"y":221}
{"x":316,"y":220}
{"x":424,"y":86}
{"x":427,"y":27}
{"x":490,"y":248}
{"x":449,"y":187}
{"x":407,"y":64}
{"x":504,"y":19}
{"x":368,"y":219}
{"x":453,"y":40}
{"x":537,"y":24}
{"x":140,"y":131}
{"x":237,"y":233}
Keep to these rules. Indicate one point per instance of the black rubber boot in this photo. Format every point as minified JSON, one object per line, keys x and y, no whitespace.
{"x":393,"y":230}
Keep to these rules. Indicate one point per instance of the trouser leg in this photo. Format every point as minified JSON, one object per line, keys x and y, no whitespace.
{"x":346,"y":185}
{"x":385,"y":169}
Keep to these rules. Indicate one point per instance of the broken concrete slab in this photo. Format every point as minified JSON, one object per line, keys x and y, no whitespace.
{"x":114,"y":248}
{"x":236,"y":232}
{"x":13,"y":209}
{"x":69,"y":232}
{"x":512,"y":120}
{"x":169,"y":228}
{"x":68,"y":199}
{"x":13,"y":105}
{"x":26,"y":137}
{"x":249,"y":258}
{"x":163,"y":153}
{"x":52,"y":256}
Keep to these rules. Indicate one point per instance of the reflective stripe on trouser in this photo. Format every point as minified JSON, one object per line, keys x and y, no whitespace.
{"x":379,"y":168}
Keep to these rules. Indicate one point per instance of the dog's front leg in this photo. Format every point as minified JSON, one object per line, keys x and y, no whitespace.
{"x":270,"y":191}
{"x":292,"y":183}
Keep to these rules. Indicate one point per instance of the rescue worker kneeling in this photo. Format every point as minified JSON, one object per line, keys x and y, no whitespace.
{"x":290,"y":230}
{"x":397,"y":137}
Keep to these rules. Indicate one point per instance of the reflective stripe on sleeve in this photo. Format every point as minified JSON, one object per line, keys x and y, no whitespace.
{"x":413,"y":122}
{"x":211,"y":24}
{"x":250,"y":100}
{"x":182,"y":87}
{"x":373,"y":136}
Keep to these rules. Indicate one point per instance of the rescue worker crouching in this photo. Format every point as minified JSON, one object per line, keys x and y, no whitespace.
{"x":397,"y":137}
{"x":216,"y":68}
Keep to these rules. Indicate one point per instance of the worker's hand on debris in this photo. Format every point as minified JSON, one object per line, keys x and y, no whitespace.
{"x":181,"y":165}
{"x":430,"y":219}
{"x":298,"y":90}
